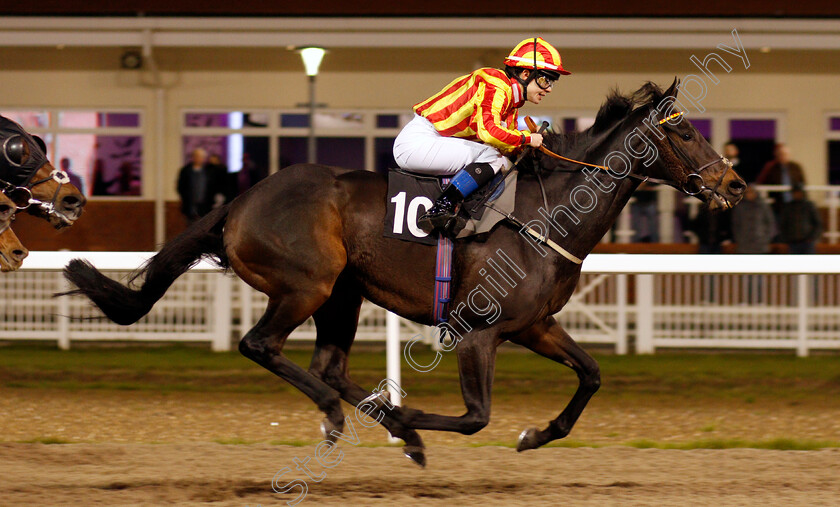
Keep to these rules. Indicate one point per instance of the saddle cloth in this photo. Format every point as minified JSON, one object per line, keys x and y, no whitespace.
{"x":410,"y":195}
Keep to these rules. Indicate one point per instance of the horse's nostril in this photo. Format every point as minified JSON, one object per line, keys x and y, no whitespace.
{"x":20,"y":254}
{"x":737,"y":187}
{"x":71,"y":201}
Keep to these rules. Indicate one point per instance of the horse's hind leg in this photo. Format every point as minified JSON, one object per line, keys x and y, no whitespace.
{"x":550,"y":340}
{"x":264,"y":343}
{"x":336,"y":322}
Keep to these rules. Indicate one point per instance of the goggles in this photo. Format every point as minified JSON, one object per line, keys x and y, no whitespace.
{"x":545,"y":81}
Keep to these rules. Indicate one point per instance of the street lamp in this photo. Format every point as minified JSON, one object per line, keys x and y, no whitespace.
{"x":312,"y":57}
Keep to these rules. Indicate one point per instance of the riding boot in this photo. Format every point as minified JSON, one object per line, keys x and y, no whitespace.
{"x":443,"y":215}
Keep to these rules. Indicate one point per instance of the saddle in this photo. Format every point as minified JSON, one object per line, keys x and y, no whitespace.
{"x":410,"y":195}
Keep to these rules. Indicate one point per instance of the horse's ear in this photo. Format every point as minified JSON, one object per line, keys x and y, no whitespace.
{"x":672,"y":91}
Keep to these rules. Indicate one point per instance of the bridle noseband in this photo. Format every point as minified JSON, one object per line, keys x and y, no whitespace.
{"x":696,"y":173}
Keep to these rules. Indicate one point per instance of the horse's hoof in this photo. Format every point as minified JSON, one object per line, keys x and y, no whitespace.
{"x":327,"y":428}
{"x":527,"y":440}
{"x":415,"y":454}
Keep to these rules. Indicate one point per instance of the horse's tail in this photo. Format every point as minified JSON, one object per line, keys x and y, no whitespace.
{"x":126,"y":305}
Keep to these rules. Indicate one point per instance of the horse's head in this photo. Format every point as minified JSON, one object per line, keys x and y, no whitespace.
{"x":28,"y":177}
{"x":687,"y":161}
{"x":12,"y":252}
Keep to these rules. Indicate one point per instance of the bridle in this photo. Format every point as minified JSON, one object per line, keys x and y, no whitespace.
{"x":682,"y":187}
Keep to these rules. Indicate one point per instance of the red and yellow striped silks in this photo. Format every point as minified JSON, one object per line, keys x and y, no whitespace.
{"x":481,"y":106}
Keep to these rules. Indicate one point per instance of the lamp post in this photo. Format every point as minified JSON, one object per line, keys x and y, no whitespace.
{"x":312,"y":57}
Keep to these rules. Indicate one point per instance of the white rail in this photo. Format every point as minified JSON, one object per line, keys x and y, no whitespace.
{"x":643,"y":301}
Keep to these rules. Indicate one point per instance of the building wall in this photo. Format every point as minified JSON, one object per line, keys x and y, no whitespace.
{"x":803,"y":100}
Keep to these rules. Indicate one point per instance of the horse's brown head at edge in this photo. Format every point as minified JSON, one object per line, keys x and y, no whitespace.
{"x":662,"y":144}
{"x":32,"y":181}
{"x":12,"y":252}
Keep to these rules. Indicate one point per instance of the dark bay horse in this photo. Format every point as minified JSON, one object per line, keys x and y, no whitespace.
{"x":29,"y":179}
{"x":311,"y":238}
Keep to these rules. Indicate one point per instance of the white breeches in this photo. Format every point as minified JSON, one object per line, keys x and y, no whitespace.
{"x":420,"y":148}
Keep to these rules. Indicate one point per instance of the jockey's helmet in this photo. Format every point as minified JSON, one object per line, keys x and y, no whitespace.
{"x":536,"y":54}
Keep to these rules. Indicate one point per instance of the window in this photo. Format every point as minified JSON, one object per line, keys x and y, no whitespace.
{"x":755,"y":139}
{"x":267,"y":141}
{"x":833,"y":150}
{"x":102,"y":151}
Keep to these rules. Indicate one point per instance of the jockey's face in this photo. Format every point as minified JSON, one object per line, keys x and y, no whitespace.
{"x":534,"y":93}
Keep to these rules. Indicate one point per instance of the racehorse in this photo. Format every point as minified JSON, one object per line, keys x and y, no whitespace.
{"x":31,"y":181}
{"x":311,"y":238}
{"x":12,"y":252}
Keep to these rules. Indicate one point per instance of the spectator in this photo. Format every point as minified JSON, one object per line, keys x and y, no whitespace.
{"x":645,"y":215}
{"x":800,"y":225}
{"x":100,"y":184}
{"x":75,"y":179}
{"x":712,"y":228}
{"x":216,"y":165}
{"x":753,"y":224}
{"x":200,"y":187}
{"x":128,"y":179}
{"x":781,"y":171}
{"x":730,"y":151}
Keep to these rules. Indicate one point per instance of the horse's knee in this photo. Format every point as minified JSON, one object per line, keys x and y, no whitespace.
{"x":475,"y":422}
{"x":591,"y":379}
{"x":246,"y":347}
{"x":252,"y":346}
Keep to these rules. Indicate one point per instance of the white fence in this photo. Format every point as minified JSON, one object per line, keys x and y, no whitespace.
{"x":644,"y":301}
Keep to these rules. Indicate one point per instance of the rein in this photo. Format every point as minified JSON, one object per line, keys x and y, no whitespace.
{"x":677,"y":150}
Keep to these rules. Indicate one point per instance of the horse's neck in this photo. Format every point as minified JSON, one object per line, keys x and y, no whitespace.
{"x":571,"y":208}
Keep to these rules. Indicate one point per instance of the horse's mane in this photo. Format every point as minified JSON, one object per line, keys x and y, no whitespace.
{"x":616,"y":108}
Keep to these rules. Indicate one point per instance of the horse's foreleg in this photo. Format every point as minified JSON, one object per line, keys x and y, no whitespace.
{"x":336,"y":322}
{"x":264,"y":343}
{"x":550,"y":340}
{"x":476,"y":364}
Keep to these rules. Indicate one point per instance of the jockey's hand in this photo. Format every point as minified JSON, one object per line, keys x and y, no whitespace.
{"x":536,"y":140}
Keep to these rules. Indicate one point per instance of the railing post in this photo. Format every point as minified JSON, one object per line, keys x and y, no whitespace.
{"x":222,"y":302}
{"x":393,"y":358}
{"x":621,"y":318}
{"x":624,"y":232}
{"x":833,"y":205}
{"x":666,"y":205}
{"x":802,"y":314}
{"x":63,"y":314}
{"x":246,"y":308}
{"x":644,"y":314}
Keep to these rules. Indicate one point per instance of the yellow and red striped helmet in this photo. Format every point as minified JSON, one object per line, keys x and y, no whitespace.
{"x":536,"y":53}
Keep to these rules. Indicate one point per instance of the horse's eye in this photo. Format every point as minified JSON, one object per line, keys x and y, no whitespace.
{"x":686,"y":136}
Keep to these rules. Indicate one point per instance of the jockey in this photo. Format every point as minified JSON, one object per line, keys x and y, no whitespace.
{"x":468,"y":128}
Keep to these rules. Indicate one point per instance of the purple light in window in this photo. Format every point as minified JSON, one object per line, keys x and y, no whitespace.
{"x":122,"y":120}
{"x":704,"y":126}
{"x":752,"y":129}
{"x":206,"y":120}
{"x":387,"y":121}
{"x":835,"y":123}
